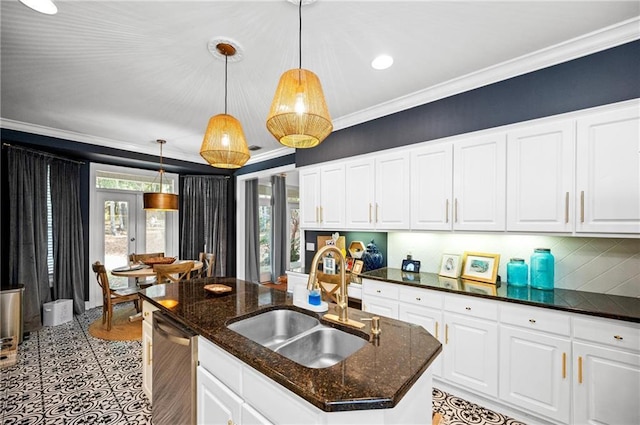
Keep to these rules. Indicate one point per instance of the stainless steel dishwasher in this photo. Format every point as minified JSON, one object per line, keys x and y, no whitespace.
{"x":175,"y":356}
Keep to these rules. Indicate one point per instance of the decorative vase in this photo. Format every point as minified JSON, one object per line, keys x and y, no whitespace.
{"x":372,"y":258}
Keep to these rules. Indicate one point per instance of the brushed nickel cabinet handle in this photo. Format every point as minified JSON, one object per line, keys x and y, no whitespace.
{"x":455,"y":210}
{"x":579,"y":369}
{"x":618,"y":337}
{"x":446,"y":211}
{"x":582,"y":206}
{"x":566,"y":207}
{"x":370,"y":212}
{"x":564,"y":365}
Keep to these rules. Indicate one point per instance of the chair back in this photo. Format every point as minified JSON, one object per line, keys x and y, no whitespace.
{"x":136,"y":258}
{"x":103,"y":281}
{"x":208,"y":261}
{"x":167,"y":273}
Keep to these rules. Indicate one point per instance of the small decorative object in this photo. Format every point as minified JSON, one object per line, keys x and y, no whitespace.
{"x":411,"y":266}
{"x":217,"y":288}
{"x":517,"y":272}
{"x":329,"y":265}
{"x":315,"y":297}
{"x":350,"y":261}
{"x":356,"y":249}
{"x":479,"y":288}
{"x":357,"y":267}
{"x":542,"y":269}
{"x":372,"y":257}
{"x":158,"y":260}
{"x":450,"y":265}
{"x":481,"y":267}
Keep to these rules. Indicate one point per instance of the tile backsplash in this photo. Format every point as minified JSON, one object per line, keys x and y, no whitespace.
{"x":604,"y":265}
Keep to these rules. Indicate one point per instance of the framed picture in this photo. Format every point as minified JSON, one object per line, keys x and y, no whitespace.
{"x":357,"y":267}
{"x":411,"y":266}
{"x":450,"y":265}
{"x":350,"y":261}
{"x":479,"y":288}
{"x":481,"y":267}
{"x":329,"y":265}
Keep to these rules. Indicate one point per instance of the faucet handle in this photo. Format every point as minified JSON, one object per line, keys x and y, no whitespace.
{"x":375,"y":325}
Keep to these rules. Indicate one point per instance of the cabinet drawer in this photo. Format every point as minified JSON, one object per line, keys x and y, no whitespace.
{"x":421,"y":297}
{"x":471,"y":306}
{"x":536,"y":319}
{"x":610,"y":332}
{"x":219,"y":363}
{"x":380,"y":289}
{"x":147,"y":310}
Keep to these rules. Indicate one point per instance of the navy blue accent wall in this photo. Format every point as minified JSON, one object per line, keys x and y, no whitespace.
{"x":268,"y":164}
{"x":602,"y":78}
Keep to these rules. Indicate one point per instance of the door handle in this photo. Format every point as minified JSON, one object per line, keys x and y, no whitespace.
{"x":132,"y":239}
{"x":455,"y":210}
{"x":579,"y":369}
{"x":446,"y":211}
{"x":566,"y":207}
{"x":173,"y":338}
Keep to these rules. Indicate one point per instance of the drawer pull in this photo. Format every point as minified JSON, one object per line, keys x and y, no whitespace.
{"x":455,"y":210}
{"x":418,"y":299}
{"x":436,"y":330}
{"x":146,"y":314}
{"x":468,"y":308}
{"x":618,"y":337}
{"x":579,"y":370}
{"x":446,"y":334}
{"x":564,"y":365}
{"x":378,"y":291}
{"x":582,"y":206}
{"x":532,"y":320}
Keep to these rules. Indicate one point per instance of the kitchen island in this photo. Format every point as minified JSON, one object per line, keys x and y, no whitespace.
{"x":384,"y":381}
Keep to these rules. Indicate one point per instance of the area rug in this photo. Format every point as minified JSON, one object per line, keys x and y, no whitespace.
{"x":121,"y":328}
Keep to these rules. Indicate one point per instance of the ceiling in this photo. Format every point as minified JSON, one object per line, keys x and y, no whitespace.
{"x":125,"y":73}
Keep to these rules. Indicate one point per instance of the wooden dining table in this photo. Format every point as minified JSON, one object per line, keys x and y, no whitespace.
{"x":143,"y":271}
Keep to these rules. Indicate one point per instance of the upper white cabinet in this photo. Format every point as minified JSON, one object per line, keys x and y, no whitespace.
{"x":608,"y":171}
{"x":379,"y":194}
{"x":431,"y":187}
{"x":540,"y":177}
{"x":322,"y":195}
{"x":479,"y":168}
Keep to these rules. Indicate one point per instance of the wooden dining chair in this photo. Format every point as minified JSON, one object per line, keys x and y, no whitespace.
{"x":173,"y":273}
{"x":208,"y":261}
{"x":111,"y":297}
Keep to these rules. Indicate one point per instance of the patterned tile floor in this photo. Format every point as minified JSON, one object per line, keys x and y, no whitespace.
{"x":66,"y":376}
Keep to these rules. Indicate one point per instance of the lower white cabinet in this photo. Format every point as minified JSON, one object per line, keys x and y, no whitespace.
{"x":216,"y":403}
{"x":147,"y":348}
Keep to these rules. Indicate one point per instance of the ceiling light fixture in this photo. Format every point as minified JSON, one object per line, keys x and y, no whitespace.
{"x":158,"y":200}
{"x":299,"y":117}
{"x":224,"y":144}
{"x":43,"y":6}
{"x":382,"y":62}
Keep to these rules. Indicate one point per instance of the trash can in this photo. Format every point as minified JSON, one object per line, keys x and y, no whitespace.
{"x":11,"y":312}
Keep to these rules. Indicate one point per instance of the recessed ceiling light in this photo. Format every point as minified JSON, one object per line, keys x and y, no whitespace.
{"x":382,"y":62}
{"x":43,"y":6}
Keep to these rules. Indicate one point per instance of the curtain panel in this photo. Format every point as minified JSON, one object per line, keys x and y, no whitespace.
{"x":278,"y":227}
{"x":252,"y":232}
{"x":204,"y":219}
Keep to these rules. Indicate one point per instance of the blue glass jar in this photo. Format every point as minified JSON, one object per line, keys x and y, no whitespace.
{"x":517,"y":272}
{"x":542,"y":269}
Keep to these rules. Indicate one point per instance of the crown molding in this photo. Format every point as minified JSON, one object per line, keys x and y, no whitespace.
{"x":274,"y":153}
{"x":584,"y":45}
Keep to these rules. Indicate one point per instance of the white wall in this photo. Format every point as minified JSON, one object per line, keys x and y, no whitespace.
{"x":604,"y":265}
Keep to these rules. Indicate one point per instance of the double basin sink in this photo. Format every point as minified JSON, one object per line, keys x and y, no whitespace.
{"x":299,"y":337}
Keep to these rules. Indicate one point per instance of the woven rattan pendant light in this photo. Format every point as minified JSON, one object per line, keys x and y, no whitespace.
{"x":224,"y":144}
{"x":299,"y":117}
{"x":157,"y":200}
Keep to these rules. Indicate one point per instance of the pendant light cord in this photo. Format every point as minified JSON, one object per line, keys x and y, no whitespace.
{"x":161,"y":169}
{"x":226,"y":60}
{"x":300,"y":35}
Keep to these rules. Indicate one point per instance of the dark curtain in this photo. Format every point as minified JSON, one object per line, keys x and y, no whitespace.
{"x":204,"y":219}
{"x":252,"y":233}
{"x":278,"y":227}
{"x":68,"y":246}
{"x":27,"y":175}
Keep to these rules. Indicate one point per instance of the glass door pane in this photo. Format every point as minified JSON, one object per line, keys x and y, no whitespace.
{"x":155,"y":231}
{"x":119,"y":234}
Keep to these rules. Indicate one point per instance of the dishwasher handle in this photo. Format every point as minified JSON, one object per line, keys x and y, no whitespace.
{"x":165,"y":334}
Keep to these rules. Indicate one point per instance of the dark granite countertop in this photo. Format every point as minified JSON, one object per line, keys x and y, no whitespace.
{"x":590,"y":303}
{"x":375,"y":377}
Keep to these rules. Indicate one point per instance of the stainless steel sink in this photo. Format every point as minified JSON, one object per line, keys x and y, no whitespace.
{"x":270,"y":329}
{"x":322,"y":347}
{"x":299,"y":337}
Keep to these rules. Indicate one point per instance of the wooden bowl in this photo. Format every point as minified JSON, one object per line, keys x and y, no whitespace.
{"x":158,"y":260}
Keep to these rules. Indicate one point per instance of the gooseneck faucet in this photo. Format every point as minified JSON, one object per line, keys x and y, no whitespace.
{"x":342,"y":296}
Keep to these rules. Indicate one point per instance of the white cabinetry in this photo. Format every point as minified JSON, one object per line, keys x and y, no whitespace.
{"x":322,"y":195}
{"x":535,"y":351}
{"x":540,"y":177}
{"x":431,"y":187}
{"x":608,"y":172}
{"x":380,"y":199}
{"x":147,"y":348}
{"x":216,"y":403}
{"x":471,"y":343}
{"x":380,"y":298}
{"x":606,"y":372}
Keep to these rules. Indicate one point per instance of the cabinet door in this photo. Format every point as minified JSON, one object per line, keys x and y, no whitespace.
{"x":540,"y":170}
{"x":431,"y":187}
{"x":428,"y":318}
{"x":250,"y":416}
{"x":380,"y":306}
{"x":310,"y":197}
{"x":392,"y":191}
{"x":216,"y":404}
{"x":471,"y":353}
{"x":147,"y":350}
{"x":608,"y":172}
{"x":534,"y":372}
{"x":479,"y":168}
{"x":361,"y":199}
{"x":606,"y":386}
{"x":332,"y":188}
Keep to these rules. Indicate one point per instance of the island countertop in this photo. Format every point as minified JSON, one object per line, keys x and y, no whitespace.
{"x":375,"y":377}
